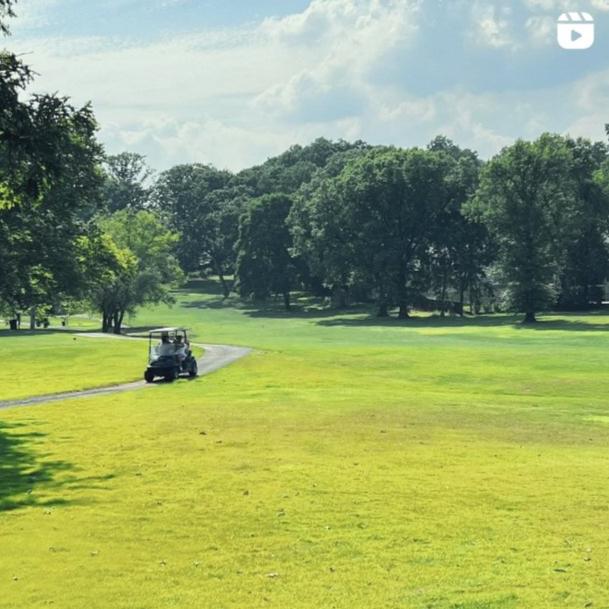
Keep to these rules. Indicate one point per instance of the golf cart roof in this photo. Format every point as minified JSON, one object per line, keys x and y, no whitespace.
{"x":166,"y":330}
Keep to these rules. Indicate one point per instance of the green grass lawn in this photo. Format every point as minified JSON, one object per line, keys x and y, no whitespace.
{"x":346,"y":463}
{"x":43,"y":362}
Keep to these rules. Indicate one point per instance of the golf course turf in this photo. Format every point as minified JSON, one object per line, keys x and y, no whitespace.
{"x":43,"y":362}
{"x":347,"y":462}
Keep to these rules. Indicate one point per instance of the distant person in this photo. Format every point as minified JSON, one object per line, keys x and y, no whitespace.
{"x":165,"y":347}
{"x":180,"y":348}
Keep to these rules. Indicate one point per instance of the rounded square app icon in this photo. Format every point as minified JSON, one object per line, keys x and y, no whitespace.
{"x":575,"y":31}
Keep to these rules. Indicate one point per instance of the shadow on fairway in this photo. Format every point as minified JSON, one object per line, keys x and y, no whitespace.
{"x":480,"y":321}
{"x":23,"y":332}
{"x":313,"y":308}
{"x":25,"y":474}
{"x":143,"y":330}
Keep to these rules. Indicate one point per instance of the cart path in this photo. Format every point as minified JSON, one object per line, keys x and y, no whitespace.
{"x":214,"y":358}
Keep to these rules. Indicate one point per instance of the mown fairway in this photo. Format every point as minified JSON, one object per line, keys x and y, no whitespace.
{"x":346,"y":463}
{"x":49,"y":362}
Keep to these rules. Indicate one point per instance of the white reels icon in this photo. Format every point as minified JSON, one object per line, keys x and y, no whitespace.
{"x":575,"y":31}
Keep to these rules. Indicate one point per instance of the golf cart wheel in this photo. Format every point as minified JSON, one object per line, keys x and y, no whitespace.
{"x":194,"y":370}
{"x":148,"y":376}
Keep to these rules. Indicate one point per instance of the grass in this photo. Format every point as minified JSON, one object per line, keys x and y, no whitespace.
{"x":42,"y":362}
{"x":429,"y":464}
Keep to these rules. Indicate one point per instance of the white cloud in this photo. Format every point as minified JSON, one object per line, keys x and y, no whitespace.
{"x":556,"y":6}
{"x":541,"y":29}
{"x":33,"y":13}
{"x":350,"y":38}
{"x":491,"y":25}
{"x":340,"y":68}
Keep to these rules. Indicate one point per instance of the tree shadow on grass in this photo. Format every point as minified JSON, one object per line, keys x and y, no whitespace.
{"x":303,"y":307}
{"x":478,"y":321}
{"x":25,"y":474}
{"x":24,"y":332}
{"x":363,"y":315}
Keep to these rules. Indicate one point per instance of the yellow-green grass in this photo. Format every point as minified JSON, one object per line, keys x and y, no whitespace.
{"x":43,"y":362}
{"x":345,"y":463}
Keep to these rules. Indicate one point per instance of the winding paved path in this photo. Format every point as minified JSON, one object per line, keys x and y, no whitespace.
{"x":214,"y":358}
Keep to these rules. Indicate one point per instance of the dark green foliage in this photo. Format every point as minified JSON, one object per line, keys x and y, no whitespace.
{"x":125,"y":185}
{"x":461,"y":247}
{"x":373,"y":223}
{"x":586,"y":263}
{"x":200,"y":204}
{"x":49,"y":184}
{"x":135,"y":264}
{"x":289,"y":171}
{"x":43,"y":211}
{"x":527,"y":198}
{"x":264,"y":263}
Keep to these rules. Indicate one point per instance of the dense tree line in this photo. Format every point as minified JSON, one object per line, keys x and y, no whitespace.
{"x":432,"y":228}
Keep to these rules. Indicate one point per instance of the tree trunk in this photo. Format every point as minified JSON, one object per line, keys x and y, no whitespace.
{"x":383,"y":309}
{"x":286,"y":300}
{"x":403,"y":311}
{"x":33,"y":318}
{"x":443,"y":295}
{"x":106,"y":321}
{"x":118,"y":321}
{"x":339,"y":297}
{"x":474,"y":301}
{"x":225,"y":286}
{"x":402,"y":292}
{"x":461,"y":296}
{"x":529,"y":318}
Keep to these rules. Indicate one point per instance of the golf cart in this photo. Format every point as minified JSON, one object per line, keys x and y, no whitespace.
{"x":169,"y":355}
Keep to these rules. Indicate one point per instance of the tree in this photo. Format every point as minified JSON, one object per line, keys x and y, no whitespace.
{"x":375,"y":220}
{"x":42,"y":218}
{"x":126,"y":180}
{"x":321,"y":238}
{"x":287,"y":172}
{"x":200,"y":205}
{"x":142,"y":266}
{"x":586,"y":260}
{"x":49,"y":180}
{"x":461,"y":248}
{"x":264,"y":263}
{"x":526,"y":198}
{"x":218,"y":221}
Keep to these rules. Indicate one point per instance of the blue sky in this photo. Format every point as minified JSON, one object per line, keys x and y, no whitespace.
{"x":232,"y":82}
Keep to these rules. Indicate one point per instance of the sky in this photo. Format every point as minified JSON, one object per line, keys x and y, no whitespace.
{"x":233,"y":82}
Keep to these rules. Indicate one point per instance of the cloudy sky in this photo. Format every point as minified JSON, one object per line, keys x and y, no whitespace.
{"x":231,"y":82}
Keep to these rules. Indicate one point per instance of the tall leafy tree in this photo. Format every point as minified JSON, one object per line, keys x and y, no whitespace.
{"x":287,"y":172}
{"x":143,"y":268}
{"x":126,"y":182}
{"x":379,"y":212}
{"x":49,"y":181}
{"x":461,"y":247}
{"x":527,"y":199}
{"x":200,"y":204}
{"x":218,"y":222}
{"x":320,"y":236}
{"x":265,"y":265}
{"x":586,"y":260}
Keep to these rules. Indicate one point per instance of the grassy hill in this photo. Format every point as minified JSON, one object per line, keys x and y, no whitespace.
{"x":428,"y":464}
